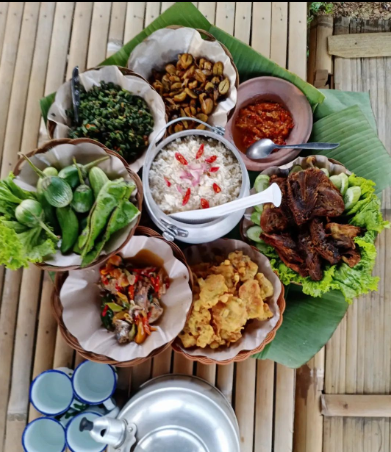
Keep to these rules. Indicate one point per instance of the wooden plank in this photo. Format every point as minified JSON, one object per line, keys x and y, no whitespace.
{"x":152,"y":12}
{"x":23,"y":355}
{"x":79,"y":40}
{"x":46,"y":335}
{"x":20,"y":85}
{"x":3,"y":20}
{"x":311,"y":62}
{"x":36,"y":86}
{"x":63,"y":353}
{"x":166,"y":5}
{"x":297,"y":52}
{"x":207,"y":372}
{"x":225,"y":379}
{"x":279,"y":34}
{"x":9,"y":308}
{"x":363,"y":45}
{"x":263,"y":440}
{"x":324,"y":30}
{"x":99,"y":33}
{"x":182,"y":365}
{"x":141,"y":374}
{"x":134,"y":22}
{"x":8,"y":61}
{"x":117,"y":28}
{"x":243,"y":21}
{"x":356,"y":405}
{"x":225,"y":16}
{"x":261,"y":27}
{"x":162,"y":363}
{"x":244,"y":402}
{"x":284,"y":409}
{"x":208,"y":9}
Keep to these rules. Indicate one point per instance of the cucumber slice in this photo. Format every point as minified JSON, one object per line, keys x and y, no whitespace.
{"x":296,"y":169}
{"x":253,"y":234}
{"x":336,"y":181}
{"x":259,"y":208}
{"x":351,"y":197}
{"x":326,"y":171}
{"x":261,"y":182}
{"x":256,"y":217}
{"x":344,"y":183}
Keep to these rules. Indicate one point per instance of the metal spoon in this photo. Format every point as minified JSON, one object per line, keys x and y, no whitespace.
{"x":263,"y":148}
{"x":271,"y":194}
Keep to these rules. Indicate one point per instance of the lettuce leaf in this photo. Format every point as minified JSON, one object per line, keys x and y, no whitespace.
{"x":18,"y":249}
{"x":352,"y":282}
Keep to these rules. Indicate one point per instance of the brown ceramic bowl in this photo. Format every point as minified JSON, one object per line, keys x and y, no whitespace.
{"x":276,"y":90}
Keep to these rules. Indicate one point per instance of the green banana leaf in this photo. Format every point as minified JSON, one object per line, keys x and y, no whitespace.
{"x":339,"y":116}
{"x":249,"y":62}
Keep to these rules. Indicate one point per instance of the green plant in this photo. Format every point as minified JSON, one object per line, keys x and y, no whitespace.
{"x":315,"y":7}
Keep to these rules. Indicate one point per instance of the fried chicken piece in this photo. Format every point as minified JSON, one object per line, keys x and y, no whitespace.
{"x":288,"y":251}
{"x":211,"y":290}
{"x":343,"y":234}
{"x":352,"y":257}
{"x":322,"y":243}
{"x":231,"y":277}
{"x":265,"y":286}
{"x":311,"y":194}
{"x":246,"y":268}
{"x":229,"y":319}
{"x":250,"y":293}
{"x":310,"y":255}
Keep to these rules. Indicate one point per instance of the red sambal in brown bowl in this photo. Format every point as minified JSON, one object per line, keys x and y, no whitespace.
{"x":270,"y":107}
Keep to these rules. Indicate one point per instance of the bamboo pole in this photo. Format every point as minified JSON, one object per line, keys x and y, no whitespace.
{"x":356,"y":405}
{"x":99,"y":33}
{"x":116,"y":28}
{"x":152,"y":12}
{"x":162,"y":363}
{"x":3,"y":21}
{"x":208,"y":9}
{"x":134,"y":21}
{"x":279,"y":33}
{"x":261,"y":27}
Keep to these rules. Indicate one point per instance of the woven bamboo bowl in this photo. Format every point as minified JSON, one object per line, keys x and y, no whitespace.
{"x":209,"y":37}
{"x":139,"y":196}
{"x":243,"y":354}
{"x":57,"y":310}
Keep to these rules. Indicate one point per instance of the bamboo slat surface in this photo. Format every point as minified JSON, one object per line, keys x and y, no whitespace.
{"x":40,"y":43}
{"x":358,"y":354}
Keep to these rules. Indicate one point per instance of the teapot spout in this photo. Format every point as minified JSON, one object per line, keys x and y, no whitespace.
{"x":105,"y":430}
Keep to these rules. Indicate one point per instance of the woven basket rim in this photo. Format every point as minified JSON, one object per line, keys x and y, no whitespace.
{"x":71,"y":340}
{"x":139,"y":196}
{"x":243,"y":354}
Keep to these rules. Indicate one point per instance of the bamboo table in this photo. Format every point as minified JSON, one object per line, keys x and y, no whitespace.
{"x":40,"y":43}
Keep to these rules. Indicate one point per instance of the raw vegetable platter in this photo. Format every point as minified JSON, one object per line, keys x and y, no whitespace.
{"x":347,"y":118}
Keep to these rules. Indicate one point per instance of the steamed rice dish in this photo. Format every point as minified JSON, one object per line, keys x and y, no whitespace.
{"x":194,"y":173}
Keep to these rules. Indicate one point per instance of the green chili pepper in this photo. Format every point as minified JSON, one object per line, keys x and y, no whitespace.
{"x":122,"y":215}
{"x":108,"y":198}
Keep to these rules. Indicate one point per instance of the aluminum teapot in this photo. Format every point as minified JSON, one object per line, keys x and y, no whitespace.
{"x":176,"y":413}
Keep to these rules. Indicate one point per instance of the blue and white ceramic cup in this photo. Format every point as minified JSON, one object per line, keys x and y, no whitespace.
{"x":44,"y":435}
{"x":78,"y":441}
{"x":95,"y":384}
{"x":51,"y":393}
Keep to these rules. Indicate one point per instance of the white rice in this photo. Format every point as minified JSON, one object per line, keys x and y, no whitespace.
{"x":166,"y":167}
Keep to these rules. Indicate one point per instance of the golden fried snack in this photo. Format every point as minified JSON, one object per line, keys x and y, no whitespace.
{"x":266,"y":286}
{"x":246,"y":268}
{"x":250,"y":293}
{"x":229,"y":318}
{"x":211,"y":290}
{"x":226,"y":295}
{"x":231,"y":277}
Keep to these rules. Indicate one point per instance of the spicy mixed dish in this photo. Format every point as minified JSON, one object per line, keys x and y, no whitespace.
{"x":264,"y":120}
{"x":131,"y":298}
